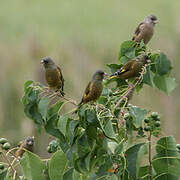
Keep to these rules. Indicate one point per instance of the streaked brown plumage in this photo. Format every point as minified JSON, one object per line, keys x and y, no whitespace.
{"x":132,"y":68}
{"x":145,"y":30}
{"x":27,"y":144}
{"x":54,"y":77}
{"x":94,"y":88}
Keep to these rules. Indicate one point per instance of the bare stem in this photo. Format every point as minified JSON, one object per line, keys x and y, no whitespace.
{"x":150,"y":156}
{"x":65,"y":98}
{"x":9,"y":163}
{"x":125,"y":96}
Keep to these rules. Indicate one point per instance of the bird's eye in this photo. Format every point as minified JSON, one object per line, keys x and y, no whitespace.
{"x":153,"y":18}
{"x":146,"y":57}
{"x":45,"y":61}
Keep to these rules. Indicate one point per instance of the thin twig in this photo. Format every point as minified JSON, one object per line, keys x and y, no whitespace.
{"x":9,"y":163}
{"x":66,"y":99}
{"x":150,"y":156}
{"x":132,"y":87}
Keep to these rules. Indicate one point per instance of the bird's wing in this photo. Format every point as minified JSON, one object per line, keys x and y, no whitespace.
{"x":61,"y":77}
{"x":87,"y":90}
{"x":138,"y":30}
{"x":86,"y":93}
{"x":126,"y":67}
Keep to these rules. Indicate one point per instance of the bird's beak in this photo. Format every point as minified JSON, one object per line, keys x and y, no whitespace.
{"x":112,"y":77}
{"x":42,"y":62}
{"x":155,"y":22}
{"x":105,"y":74}
{"x":30,"y":143}
{"x":148,"y":60}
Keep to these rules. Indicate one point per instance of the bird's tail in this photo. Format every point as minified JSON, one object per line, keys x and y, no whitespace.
{"x":118,"y":73}
{"x":62,"y":93}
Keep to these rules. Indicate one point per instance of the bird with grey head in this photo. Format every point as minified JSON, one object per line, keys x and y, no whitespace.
{"x":53,"y":75}
{"x":145,"y":29}
{"x":27,"y":144}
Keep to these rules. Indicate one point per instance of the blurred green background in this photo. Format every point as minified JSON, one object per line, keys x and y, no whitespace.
{"x":82,"y":36}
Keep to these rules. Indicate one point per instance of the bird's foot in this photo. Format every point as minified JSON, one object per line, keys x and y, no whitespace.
{"x":60,"y":92}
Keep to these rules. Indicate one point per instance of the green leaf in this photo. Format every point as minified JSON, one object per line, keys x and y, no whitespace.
{"x":164,"y":83}
{"x":148,"y":77}
{"x":82,"y":145}
{"x":3,"y":174}
{"x":138,"y":115}
{"x":167,"y":160}
{"x":142,"y":151}
{"x":27,"y":84}
{"x":103,"y":169}
{"x":33,"y":168}
{"x":57,"y":166}
{"x":51,"y":128}
{"x":143,"y":173}
{"x":124,"y":60}
{"x":62,"y":124}
{"x":80,"y":165}
{"x":114,"y":67}
{"x":119,"y":148}
{"x":164,"y":176}
{"x":163,"y":64}
{"x":127,"y":49}
{"x":91,"y":131}
{"x":30,"y":101}
{"x":43,"y":107}
{"x":76,"y":175}
{"x":68,"y":175}
{"x":113,"y":177}
{"x":92,"y":117}
{"x":54,"y":109}
{"x":102,"y":100}
{"x":109,"y":131}
{"x":132,"y":155}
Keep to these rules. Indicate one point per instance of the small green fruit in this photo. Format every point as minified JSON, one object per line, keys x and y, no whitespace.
{"x":147,"y":128}
{"x":146,"y":120}
{"x":154,"y":115}
{"x":157,"y":123}
{"x":127,"y":116}
{"x":1,"y":166}
{"x":49,"y":150}
{"x":157,"y":118}
{"x":3,"y":140}
{"x":6,"y":146}
{"x":178,"y":146}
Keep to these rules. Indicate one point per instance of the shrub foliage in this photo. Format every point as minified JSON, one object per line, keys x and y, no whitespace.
{"x":110,"y":139}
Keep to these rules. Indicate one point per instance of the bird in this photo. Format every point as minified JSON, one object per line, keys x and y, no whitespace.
{"x":145,"y":29}
{"x":27,"y":144}
{"x":132,"y":68}
{"x":94,"y":88}
{"x":54,"y":77}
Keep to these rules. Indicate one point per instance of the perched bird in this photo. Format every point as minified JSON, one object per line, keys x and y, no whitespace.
{"x":94,"y":88}
{"x":54,"y":77}
{"x":145,"y":30}
{"x":132,"y":68}
{"x":27,"y":144}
